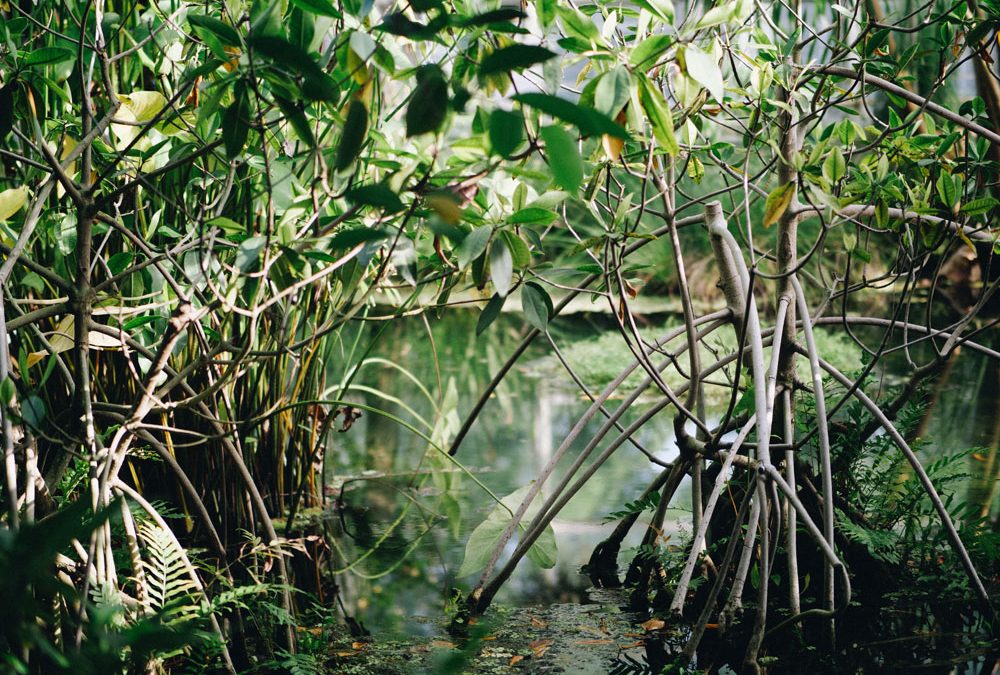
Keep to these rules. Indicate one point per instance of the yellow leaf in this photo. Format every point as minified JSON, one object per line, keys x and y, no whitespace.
{"x":12,"y":200}
{"x":144,"y":105}
{"x":446,"y":206}
{"x":612,"y":146}
{"x":777,"y":203}
{"x":62,"y":338}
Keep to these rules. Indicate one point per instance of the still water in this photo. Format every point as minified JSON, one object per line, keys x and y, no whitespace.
{"x":392,"y":492}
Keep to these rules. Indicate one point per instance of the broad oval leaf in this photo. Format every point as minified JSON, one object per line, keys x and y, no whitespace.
{"x":658,"y":113}
{"x":12,"y":200}
{"x":778,"y":202}
{"x":613,"y":91}
{"x":506,"y":131}
{"x":223,"y":31}
{"x":429,"y":103}
{"x":514,"y":57}
{"x":537,"y":305}
{"x":46,"y":56}
{"x":564,"y":158}
{"x":501,"y":266}
{"x":318,"y":7}
{"x":378,"y":195}
{"x":236,"y":123}
{"x":587,"y":120}
{"x":705,"y":70}
{"x":473,"y":246}
{"x":353,"y":136}
{"x":488,"y":316}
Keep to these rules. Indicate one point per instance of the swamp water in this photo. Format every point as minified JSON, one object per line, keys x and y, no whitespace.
{"x":402,"y":514}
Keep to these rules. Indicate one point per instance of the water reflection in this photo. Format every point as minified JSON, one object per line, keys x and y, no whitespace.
{"x":403,"y":512}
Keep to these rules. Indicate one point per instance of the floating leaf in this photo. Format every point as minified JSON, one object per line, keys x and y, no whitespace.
{"x":778,"y":202}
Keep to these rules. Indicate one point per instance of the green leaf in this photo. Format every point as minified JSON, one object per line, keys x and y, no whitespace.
{"x":223,"y":31}
{"x":613,"y":91}
{"x":236,"y":123}
{"x":506,"y":131}
{"x":518,"y":249}
{"x":488,"y":316}
{"x":318,"y":7}
{"x":378,"y":195}
{"x":564,"y":158}
{"x":429,"y":103}
{"x":834,"y":167}
{"x":296,"y":116}
{"x":7,"y":391}
{"x":473,"y":246}
{"x":533,"y":216}
{"x":659,"y":116}
{"x":46,"y":56}
{"x":6,"y":109}
{"x":978,"y":207}
{"x":316,"y":85}
{"x":355,"y":236}
{"x":119,"y":262}
{"x":485,"y":537}
{"x":353,"y":136}
{"x":501,"y":266}
{"x":587,"y":120}
{"x":717,"y":15}
{"x":649,"y":50}
{"x":537,"y":305}
{"x":514,"y":57}
{"x":494,"y":16}
{"x":778,"y":202}
{"x":248,"y":253}
{"x":947,"y":189}
{"x":704,"y":69}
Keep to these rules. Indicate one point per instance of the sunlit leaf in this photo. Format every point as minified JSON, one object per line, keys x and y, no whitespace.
{"x":777,"y":203}
{"x":11,"y":201}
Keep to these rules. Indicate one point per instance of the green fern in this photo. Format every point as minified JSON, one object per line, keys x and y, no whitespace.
{"x":171,"y":590}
